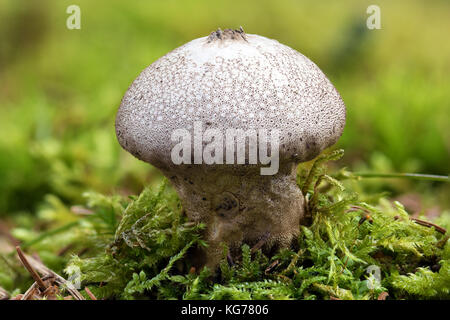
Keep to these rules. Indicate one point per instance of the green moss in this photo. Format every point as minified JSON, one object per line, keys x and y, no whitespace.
{"x":139,"y":248}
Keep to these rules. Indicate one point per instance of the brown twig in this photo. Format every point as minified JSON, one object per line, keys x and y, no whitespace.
{"x":51,"y":293}
{"x":30,"y":293}
{"x":90,"y":294}
{"x":30,"y":269}
{"x":425,"y":224}
{"x":42,"y":269}
{"x":383,"y":295}
{"x":271,"y":267}
{"x":429,"y":225}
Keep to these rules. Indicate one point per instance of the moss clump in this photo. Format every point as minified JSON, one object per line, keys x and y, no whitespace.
{"x":354,"y":247}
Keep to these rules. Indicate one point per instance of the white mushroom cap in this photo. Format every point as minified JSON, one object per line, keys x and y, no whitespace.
{"x":231,"y":80}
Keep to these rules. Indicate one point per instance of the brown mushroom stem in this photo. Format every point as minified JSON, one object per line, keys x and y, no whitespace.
{"x":240,"y":207}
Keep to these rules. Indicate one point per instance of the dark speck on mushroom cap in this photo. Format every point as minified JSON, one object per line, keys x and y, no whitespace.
{"x":231,"y":82}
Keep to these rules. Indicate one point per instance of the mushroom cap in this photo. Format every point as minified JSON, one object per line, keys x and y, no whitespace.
{"x":231,"y":80}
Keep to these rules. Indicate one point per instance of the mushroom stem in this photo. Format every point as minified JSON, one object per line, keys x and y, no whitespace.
{"x":239,"y":207}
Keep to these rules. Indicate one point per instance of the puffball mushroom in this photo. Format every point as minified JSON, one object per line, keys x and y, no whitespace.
{"x":230,"y":79}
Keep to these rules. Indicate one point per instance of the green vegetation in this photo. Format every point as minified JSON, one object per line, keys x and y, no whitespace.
{"x":139,"y":248}
{"x":59,"y":94}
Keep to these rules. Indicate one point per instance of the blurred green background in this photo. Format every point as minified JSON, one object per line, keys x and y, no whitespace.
{"x":60,"y":88}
